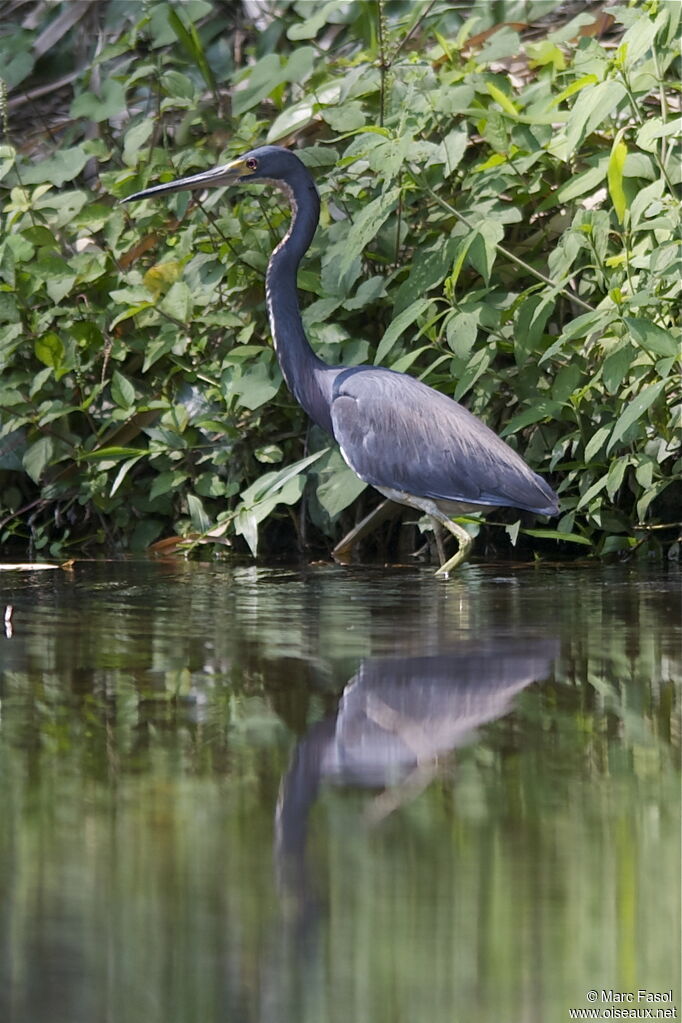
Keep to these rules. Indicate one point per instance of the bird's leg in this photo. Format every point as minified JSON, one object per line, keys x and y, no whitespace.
{"x":438,"y":537}
{"x":426,"y":504}
{"x":386,"y":510}
{"x":464,"y":541}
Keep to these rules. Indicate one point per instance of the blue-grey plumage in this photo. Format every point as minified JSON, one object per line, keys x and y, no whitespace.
{"x":414,"y":444}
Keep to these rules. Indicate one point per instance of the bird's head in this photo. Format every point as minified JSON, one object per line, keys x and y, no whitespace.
{"x":267,"y":163}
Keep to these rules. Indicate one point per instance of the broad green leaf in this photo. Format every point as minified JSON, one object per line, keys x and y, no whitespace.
{"x":37,"y":457}
{"x":587,"y":181}
{"x":190,"y":41}
{"x":574,"y":87}
{"x":122,"y":391}
{"x":111,"y":454}
{"x":554,"y":534}
{"x":454,"y":146}
{"x":50,"y":350}
{"x":273,"y":482}
{"x":592,"y":492}
{"x":652,"y":337}
{"x":428,"y":270}
{"x":177,"y":302}
{"x":634,"y":411}
{"x":531,"y":320}
{"x":596,"y":442}
{"x":545,"y":52}
{"x":400,"y":324}
{"x":110,"y":102}
{"x":543,"y":409}
{"x":616,"y":366}
{"x":122,"y":473}
{"x":502,"y":99}
{"x":257,"y":384}
{"x":596,"y":104}
{"x":365,"y":226}
{"x":166,"y":482}
{"x":581,"y":326}
{"x":309,"y":28}
{"x":348,"y":117}
{"x":462,"y":248}
{"x":615,"y":176}
{"x":462,"y":330}
{"x":62,"y":167}
{"x":483,"y":250}
{"x":616,"y":474}
{"x":197,"y":513}
{"x":135,"y":138}
{"x":337,"y":485}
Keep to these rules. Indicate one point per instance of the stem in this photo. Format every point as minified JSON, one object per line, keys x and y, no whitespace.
{"x":501,"y":249}
{"x":640,"y":120}
{"x":384,"y":65}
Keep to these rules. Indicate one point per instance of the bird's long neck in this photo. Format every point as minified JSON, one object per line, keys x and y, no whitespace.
{"x":300,"y":367}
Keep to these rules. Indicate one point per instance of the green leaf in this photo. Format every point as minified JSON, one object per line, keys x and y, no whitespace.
{"x":574,"y":87}
{"x":62,"y":167}
{"x":543,"y":409}
{"x":531,"y":320}
{"x":615,"y":176}
{"x":652,"y":337}
{"x":37,"y":457}
{"x":483,"y":251}
{"x":50,"y":350}
{"x":191,"y":43}
{"x":402,"y":321}
{"x":596,"y":104}
{"x":197,"y":513}
{"x":616,"y":474}
{"x":591,"y":492}
{"x":122,"y":391}
{"x":366,"y":225}
{"x":338,"y":486}
{"x":135,"y":138}
{"x":256,"y":385}
{"x":635,"y":411}
{"x":554,"y":534}
{"x":596,"y":442}
{"x":273,"y":482}
{"x":545,"y":52}
{"x":502,"y":99}
{"x":309,"y":28}
{"x":111,"y":454}
{"x":177,"y":302}
{"x":462,"y":330}
{"x":122,"y":473}
{"x":110,"y":102}
{"x":587,"y":181}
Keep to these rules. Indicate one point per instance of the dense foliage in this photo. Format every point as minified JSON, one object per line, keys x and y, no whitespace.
{"x":500,"y":217}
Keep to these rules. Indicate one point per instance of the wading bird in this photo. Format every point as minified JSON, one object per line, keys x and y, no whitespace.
{"x":414,"y":445}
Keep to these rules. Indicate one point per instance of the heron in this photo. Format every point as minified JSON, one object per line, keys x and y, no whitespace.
{"x":415,"y":445}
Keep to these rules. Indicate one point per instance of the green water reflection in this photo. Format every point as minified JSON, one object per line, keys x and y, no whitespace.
{"x":478,"y":786}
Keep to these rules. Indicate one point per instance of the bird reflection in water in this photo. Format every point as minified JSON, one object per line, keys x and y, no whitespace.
{"x":396,"y":719}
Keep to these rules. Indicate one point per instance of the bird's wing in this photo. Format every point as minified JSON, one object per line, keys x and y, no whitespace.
{"x":397,"y":433}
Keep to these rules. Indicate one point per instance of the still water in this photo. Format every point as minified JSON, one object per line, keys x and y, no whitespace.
{"x":283,"y":796}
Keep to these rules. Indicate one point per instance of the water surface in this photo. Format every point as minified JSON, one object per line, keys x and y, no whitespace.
{"x":334,"y":794}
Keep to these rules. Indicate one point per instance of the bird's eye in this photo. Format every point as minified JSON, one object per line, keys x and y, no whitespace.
{"x":252,"y":163}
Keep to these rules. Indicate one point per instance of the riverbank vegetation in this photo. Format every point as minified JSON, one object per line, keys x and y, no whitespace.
{"x":500,"y":217}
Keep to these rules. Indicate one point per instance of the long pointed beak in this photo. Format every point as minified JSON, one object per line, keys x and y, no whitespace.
{"x":217,"y":177}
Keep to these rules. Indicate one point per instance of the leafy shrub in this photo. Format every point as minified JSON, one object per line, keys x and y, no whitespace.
{"x":499,"y":217}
